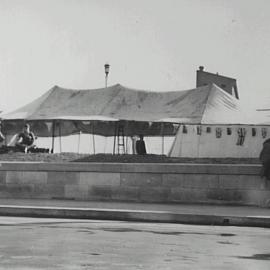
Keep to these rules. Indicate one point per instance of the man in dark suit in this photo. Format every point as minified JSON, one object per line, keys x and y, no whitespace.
{"x":140,"y":146}
{"x":265,"y":159}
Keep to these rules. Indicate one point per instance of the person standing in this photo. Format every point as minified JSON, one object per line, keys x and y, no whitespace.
{"x":265,"y":159}
{"x":140,"y":146}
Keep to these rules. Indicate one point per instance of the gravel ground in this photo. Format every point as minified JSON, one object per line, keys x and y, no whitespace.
{"x":163,"y":159}
{"x":41,"y":157}
{"x":74,"y":157}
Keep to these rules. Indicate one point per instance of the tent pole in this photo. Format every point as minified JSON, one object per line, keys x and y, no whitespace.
{"x":126,"y":128}
{"x":90,"y":143}
{"x":79,"y":141}
{"x":126,"y":148}
{"x":93,"y":140}
{"x":162,"y":138}
{"x":53,"y":127}
{"x":114,"y":140}
{"x":60,"y":137}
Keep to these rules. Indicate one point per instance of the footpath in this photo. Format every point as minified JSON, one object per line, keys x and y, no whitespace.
{"x":196,"y":214}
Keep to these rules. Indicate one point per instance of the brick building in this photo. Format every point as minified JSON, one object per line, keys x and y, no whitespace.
{"x":226,"y":83}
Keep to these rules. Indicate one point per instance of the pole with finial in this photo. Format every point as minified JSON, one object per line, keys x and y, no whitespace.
{"x":107,"y":69}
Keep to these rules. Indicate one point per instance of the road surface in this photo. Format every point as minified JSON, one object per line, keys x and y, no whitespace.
{"x":28,"y":243}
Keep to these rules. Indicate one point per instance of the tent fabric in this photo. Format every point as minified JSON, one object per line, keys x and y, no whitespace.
{"x":242,"y":141}
{"x":137,"y":109}
{"x":114,"y":103}
{"x":265,"y":115}
{"x":207,"y":104}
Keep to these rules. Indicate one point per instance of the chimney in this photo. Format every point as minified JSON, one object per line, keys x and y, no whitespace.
{"x":201,"y":68}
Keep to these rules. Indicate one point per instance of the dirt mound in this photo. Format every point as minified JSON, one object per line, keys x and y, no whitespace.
{"x":74,"y":157}
{"x":41,"y":157}
{"x":163,"y":159}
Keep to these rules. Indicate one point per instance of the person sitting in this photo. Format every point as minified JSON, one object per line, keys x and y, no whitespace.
{"x":2,"y":137}
{"x":265,"y":159}
{"x":140,"y":146}
{"x":25,"y":140}
{"x":2,"y":141}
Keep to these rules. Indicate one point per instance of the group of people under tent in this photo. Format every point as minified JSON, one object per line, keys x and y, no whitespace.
{"x":25,"y":141}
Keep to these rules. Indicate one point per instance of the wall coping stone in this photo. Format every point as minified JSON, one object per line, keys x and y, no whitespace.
{"x":177,"y":168}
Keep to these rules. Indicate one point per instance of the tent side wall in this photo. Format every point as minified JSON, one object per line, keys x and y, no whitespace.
{"x":207,"y":145}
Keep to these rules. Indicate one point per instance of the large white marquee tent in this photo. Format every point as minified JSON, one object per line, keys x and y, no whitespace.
{"x":205,"y":121}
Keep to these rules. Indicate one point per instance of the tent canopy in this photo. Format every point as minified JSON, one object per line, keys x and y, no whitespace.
{"x":265,"y":115}
{"x":97,"y":111}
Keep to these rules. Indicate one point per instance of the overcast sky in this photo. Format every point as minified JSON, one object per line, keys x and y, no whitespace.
{"x":151,"y":44}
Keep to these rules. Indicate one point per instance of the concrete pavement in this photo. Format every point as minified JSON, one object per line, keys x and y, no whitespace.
{"x":167,"y":213}
{"x":56,"y":244}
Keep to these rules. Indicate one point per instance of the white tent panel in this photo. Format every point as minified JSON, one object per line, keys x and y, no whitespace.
{"x":207,"y":145}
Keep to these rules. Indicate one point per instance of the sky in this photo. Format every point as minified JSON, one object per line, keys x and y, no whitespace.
{"x":150,"y":44}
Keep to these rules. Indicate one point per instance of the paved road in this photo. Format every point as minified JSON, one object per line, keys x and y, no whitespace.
{"x":27,"y":243}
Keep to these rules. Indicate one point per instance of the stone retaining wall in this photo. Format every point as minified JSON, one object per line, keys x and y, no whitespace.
{"x":169,"y":183}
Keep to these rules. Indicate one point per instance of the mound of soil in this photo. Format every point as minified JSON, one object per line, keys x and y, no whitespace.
{"x":41,"y":157}
{"x":163,"y":159}
{"x":74,"y":157}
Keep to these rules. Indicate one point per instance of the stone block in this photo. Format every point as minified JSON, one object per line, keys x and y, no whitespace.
{"x":25,"y":177}
{"x":251,"y":182}
{"x":230,"y":182}
{"x":63,"y":178}
{"x":14,"y":177}
{"x":99,"y":179}
{"x":153,"y":194}
{"x":128,"y":179}
{"x":18,"y":191}
{"x":225,"y":195}
{"x":34,"y":178}
{"x":213,"y":181}
{"x":252,"y":197}
{"x":240,"y":182}
{"x":49,"y":191}
{"x":4,"y":192}
{"x":173,"y":180}
{"x":203,"y":181}
{"x":76,"y":192}
{"x":3,"y":175}
{"x":125,"y":193}
{"x":141,"y":179}
{"x":99,"y":193}
{"x":188,"y":195}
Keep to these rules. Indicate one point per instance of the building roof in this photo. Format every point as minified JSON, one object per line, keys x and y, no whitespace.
{"x":226,"y":83}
